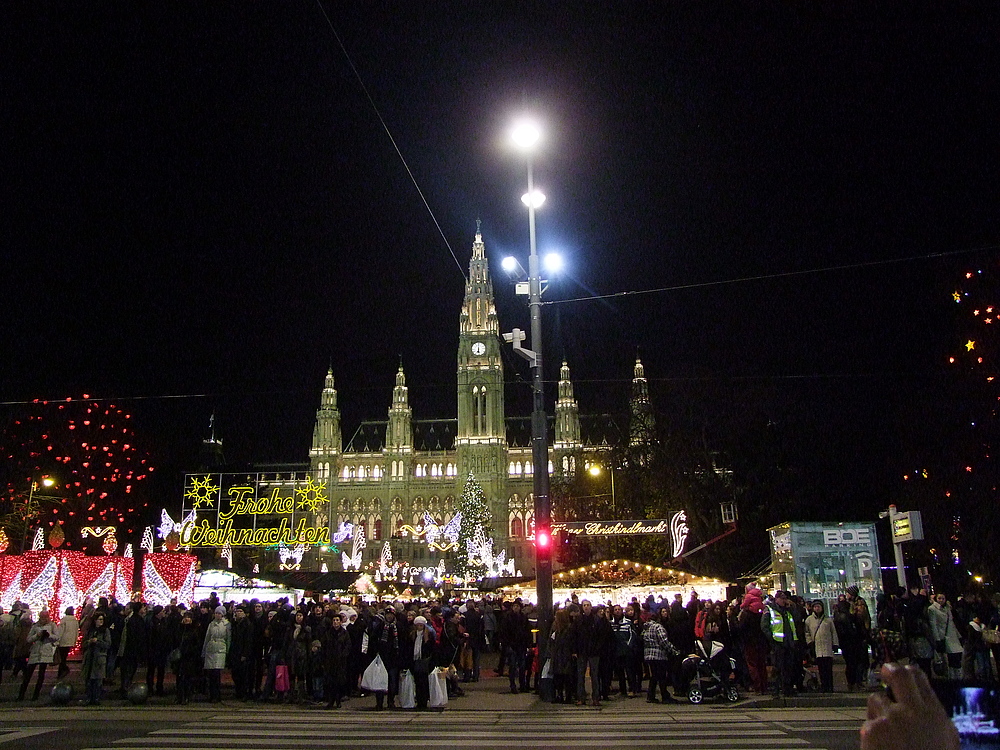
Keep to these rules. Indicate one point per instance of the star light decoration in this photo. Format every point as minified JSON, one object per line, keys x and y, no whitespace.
{"x":202,"y":492}
{"x":311,"y":496}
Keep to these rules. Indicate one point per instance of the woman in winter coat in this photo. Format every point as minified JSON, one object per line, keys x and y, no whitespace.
{"x":754,"y":641}
{"x":95,"y":657}
{"x":945,"y":634}
{"x":190,"y":644}
{"x":416,"y":654}
{"x":821,"y":636}
{"x":42,"y":638}
{"x":218,"y":638}
{"x":297,"y":647}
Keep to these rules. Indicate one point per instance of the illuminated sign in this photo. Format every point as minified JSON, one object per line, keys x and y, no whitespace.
{"x":848,"y":537}
{"x":237,"y":510}
{"x":907,"y":527}
{"x":614,"y":528}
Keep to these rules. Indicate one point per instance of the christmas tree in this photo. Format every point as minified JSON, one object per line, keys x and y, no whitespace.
{"x":476,"y":521}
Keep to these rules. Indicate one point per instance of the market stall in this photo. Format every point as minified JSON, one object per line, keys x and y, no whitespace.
{"x":620,"y":581}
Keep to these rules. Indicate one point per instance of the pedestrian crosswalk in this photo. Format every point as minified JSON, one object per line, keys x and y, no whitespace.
{"x":276,"y":730}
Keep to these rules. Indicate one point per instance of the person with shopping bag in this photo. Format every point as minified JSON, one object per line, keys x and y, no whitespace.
{"x":383,"y":641}
{"x":416,"y":658}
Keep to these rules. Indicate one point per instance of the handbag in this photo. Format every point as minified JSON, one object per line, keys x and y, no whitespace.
{"x":407,"y":690}
{"x":281,"y":678}
{"x":991,"y":636}
{"x":376,"y":677}
{"x":437,"y":686}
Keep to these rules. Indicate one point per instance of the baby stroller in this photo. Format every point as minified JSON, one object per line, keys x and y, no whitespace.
{"x":708,"y":674}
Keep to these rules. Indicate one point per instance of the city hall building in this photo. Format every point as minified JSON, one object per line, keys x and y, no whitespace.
{"x":394,"y":474}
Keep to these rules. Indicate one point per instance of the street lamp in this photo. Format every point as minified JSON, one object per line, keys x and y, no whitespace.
{"x":526,"y":135}
{"x":596,"y":471}
{"x":28,"y":506}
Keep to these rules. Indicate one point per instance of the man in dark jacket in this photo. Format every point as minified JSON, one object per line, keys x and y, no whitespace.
{"x":241,"y":655}
{"x":515,"y":634}
{"x":588,"y":644}
{"x":475,"y":627}
{"x":134,"y":645}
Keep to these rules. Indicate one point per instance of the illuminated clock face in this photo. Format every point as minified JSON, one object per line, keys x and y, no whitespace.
{"x":479,"y":348}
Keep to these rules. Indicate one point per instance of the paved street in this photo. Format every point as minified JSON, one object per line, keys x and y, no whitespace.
{"x":279,"y":727}
{"x":488,"y":712}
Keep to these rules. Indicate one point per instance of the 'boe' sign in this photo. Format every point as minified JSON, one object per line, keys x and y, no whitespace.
{"x":847,"y":537}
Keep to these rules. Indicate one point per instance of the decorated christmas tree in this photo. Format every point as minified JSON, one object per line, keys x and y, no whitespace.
{"x":477,"y":521}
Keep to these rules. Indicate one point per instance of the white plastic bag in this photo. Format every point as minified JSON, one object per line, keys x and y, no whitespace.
{"x":376,"y":677}
{"x":407,"y":690}
{"x":437,"y":683}
{"x":547,"y":670}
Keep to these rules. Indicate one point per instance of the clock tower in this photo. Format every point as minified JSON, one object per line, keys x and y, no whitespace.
{"x":481,"y":439}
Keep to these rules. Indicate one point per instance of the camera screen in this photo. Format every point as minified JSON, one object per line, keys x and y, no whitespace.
{"x":975,"y":711}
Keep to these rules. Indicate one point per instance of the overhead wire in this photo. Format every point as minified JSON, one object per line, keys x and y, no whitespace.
{"x":764,"y":277}
{"x":392,"y":140}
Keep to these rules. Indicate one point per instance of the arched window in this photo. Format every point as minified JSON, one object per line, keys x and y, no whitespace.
{"x":378,"y":530}
{"x":565,"y":463}
{"x":527,"y":468}
{"x":347,"y":472}
{"x":517,"y":468}
{"x":550,"y":466}
{"x":510,"y":469}
{"x":377,"y":472}
{"x":516,"y":527}
{"x":361,"y":472}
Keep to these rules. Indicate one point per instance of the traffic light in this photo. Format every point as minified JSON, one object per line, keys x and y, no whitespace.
{"x":543,"y":540}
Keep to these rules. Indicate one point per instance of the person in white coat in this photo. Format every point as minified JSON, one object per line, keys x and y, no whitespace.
{"x":821,"y":636}
{"x":69,"y":632}
{"x":42,"y":638}
{"x":218,"y":638}
{"x":945,"y":635}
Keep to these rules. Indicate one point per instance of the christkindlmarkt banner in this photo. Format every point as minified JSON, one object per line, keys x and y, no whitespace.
{"x":676,"y":527}
{"x":250,"y":510}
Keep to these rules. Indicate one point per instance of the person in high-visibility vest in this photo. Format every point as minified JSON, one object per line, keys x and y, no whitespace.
{"x":779,"y":627}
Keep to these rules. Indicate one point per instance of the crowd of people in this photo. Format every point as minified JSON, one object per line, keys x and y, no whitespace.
{"x":317,"y":651}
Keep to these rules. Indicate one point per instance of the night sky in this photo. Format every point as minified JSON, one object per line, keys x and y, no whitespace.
{"x":199,"y":200}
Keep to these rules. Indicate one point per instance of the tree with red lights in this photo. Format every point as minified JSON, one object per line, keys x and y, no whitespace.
{"x":88,"y":449}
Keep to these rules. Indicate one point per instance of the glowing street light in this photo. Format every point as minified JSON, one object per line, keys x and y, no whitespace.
{"x":526,"y":135}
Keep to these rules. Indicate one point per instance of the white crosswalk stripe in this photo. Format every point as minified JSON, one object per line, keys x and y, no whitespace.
{"x":278,"y":730}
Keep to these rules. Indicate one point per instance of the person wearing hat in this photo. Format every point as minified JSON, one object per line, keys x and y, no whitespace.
{"x":417,"y":655}
{"x":778,"y":625}
{"x":218,"y":638}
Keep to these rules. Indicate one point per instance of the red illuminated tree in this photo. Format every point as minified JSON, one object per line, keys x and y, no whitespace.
{"x":89,"y":449}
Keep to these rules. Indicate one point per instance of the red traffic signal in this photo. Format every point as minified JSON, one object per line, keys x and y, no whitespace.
{"x":543,"y":540}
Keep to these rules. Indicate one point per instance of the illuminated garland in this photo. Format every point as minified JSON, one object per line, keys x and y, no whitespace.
{"x":147,"y":539}
{"x":39,"y":543}
{"x":431,"y":532}
{"x":353,"y":561}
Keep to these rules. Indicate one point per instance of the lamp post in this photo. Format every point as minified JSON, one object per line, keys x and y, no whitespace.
{"x":525,"y":136}
{"x":46,"y":482}
{"x":595,"y":471}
